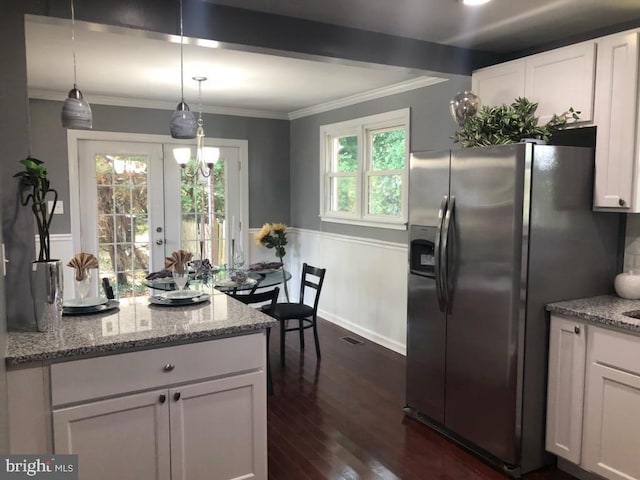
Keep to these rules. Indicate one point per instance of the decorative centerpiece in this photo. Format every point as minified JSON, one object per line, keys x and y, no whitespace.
{"x":505,"y":123}
{"x":46,"y":273}
{"x":178,"y":264}
{"x":83,"y":263}
{"x":274,"y":235}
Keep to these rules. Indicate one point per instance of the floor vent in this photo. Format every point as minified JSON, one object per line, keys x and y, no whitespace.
{"x":352,"y":341}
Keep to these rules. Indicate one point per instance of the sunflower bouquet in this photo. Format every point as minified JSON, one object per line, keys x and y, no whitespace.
{"x":274,"y":235}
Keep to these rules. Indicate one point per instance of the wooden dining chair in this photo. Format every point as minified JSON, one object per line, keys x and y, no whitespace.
{"x":268,"y":298}
{"x":305,"y":314}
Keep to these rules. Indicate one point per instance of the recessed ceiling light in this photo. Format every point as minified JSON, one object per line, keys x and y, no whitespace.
{"x":475,"y":2}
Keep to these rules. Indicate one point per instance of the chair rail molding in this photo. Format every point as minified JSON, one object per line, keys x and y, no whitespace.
{"x":365,"y":288}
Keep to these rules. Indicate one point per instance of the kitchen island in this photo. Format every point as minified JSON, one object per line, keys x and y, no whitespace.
{"x":146,"y":391}
{"x":593,"y":395}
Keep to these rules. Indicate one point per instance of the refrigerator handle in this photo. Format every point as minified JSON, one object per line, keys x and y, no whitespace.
{"x":448,"y":218}
{"x":437,"y":255}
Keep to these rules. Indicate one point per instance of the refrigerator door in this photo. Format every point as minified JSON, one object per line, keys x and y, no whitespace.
{"x":426,"y":327}
{"x":484,"y":277}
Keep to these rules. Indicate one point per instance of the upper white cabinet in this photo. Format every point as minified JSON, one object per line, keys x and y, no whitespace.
{"x":560,"y":79}
{"x":499,"y":84}
{"x":556,"y":80}
{"x":615,"y":115}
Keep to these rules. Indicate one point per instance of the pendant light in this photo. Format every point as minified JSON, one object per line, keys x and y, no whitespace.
{"x":206,"y":157}
{"x":183,"y":122}
{"x":76,"y":112}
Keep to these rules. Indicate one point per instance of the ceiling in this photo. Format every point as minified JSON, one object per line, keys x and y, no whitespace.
{"x":130,"y":67}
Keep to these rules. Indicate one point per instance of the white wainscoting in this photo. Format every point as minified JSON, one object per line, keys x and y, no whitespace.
{"x":62,"y":249}
{"x":365,"y":289}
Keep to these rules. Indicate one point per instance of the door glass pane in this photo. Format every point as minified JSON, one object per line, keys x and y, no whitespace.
{"x":388,"y":150}
{"x":343,"y":194}
{"x":123,"y":229}
{"x":385,"y":195}
{"x":203,"y":213}
{"x":345,"y":154}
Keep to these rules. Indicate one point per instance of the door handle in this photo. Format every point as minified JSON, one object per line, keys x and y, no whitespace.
{"x":176,"y":396}
{"x":159,"y":241}
{"x":448,"y":218}
{"x":436,"y":263}
{"x":163,"y":398}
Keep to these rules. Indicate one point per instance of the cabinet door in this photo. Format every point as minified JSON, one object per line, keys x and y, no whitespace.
{"x":125,"y":438}
{"x":219,"y":429}
{"x":560,"y":79}
{"x":612,"y":413}
{"x":615,"y":116}
{"x":565,"y":392}
{"x":500,"y":83}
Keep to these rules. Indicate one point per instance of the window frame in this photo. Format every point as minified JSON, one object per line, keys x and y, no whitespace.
{"x":363,"y":129}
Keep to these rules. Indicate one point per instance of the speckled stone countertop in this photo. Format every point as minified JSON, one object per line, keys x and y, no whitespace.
{"x":134,"y":326}
{"x":606,"y":310}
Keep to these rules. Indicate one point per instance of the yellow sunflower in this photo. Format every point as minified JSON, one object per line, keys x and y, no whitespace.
{"x":278,"y":227}
{"x":264,"y":231}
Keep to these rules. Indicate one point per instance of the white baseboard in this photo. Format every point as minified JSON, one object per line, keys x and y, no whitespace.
{"x":364,"y":332}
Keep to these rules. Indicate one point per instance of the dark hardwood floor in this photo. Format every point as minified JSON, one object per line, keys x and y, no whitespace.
{"x":341,"y":418}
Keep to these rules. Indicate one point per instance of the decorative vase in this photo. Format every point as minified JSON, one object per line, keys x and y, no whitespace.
{"x":627,"y":285}
{"x":46,"y":291}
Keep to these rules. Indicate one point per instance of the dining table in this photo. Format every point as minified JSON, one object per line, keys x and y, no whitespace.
{"x":259,"y":279}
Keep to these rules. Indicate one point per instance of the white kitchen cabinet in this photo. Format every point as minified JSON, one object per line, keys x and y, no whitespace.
{"x":616,"y":102}
{"x":500,"y":83}
{"x":556,"y":80}
{"x":612,"y":413}
{"x":183,"y":412}
{"x":205,"y":430}
{"x":565,"y":392}
{"x":593,"y":398}
{"x":218,"y":429}
{"x":125,"y":437}
{"x":562,"y":78}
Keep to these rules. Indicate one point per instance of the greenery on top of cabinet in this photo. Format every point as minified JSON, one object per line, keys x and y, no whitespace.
{"x":504,"y":124}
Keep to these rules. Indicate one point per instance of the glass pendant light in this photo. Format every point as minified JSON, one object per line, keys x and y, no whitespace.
{"x":76,"y":112}
{"x":183,"y":122}
{"x":206,"y":157}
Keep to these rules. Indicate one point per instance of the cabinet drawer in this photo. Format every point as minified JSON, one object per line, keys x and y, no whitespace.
{"x":615,"y":349}
{"x":92,"y":378}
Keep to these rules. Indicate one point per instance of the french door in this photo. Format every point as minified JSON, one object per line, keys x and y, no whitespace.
{"x":137,"y":206}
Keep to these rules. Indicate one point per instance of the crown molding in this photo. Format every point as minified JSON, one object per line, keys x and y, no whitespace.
{"x":396,"y":88}
{"x":156,"y":104}
{"x":365,"y":96}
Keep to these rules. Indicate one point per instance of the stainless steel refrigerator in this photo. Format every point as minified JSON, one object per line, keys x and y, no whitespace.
{"x":495,"y":233}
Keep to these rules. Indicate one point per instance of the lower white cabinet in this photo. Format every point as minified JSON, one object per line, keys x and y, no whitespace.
{"x":187,"y":412}
{"x":593,"y":398}
{"x":204,"y":430}
{"x":565,"y":391}
{"x":612,"y":408}
{"x":125,"y":437}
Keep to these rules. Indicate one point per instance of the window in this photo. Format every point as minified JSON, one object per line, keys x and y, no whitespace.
{"x":364,"y":170}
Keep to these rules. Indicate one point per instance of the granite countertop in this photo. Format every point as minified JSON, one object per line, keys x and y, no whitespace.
{"x":606,"y":310}
{"x":136,"y":325}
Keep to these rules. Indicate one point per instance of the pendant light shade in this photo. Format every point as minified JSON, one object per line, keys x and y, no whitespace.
{"x":183,"y":122}
{"x":76,"y":112}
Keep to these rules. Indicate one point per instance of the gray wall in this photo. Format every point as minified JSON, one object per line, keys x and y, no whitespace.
{"x":4,"y":413}
{"x":431,"y":129}
{"x":268,"y":151}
